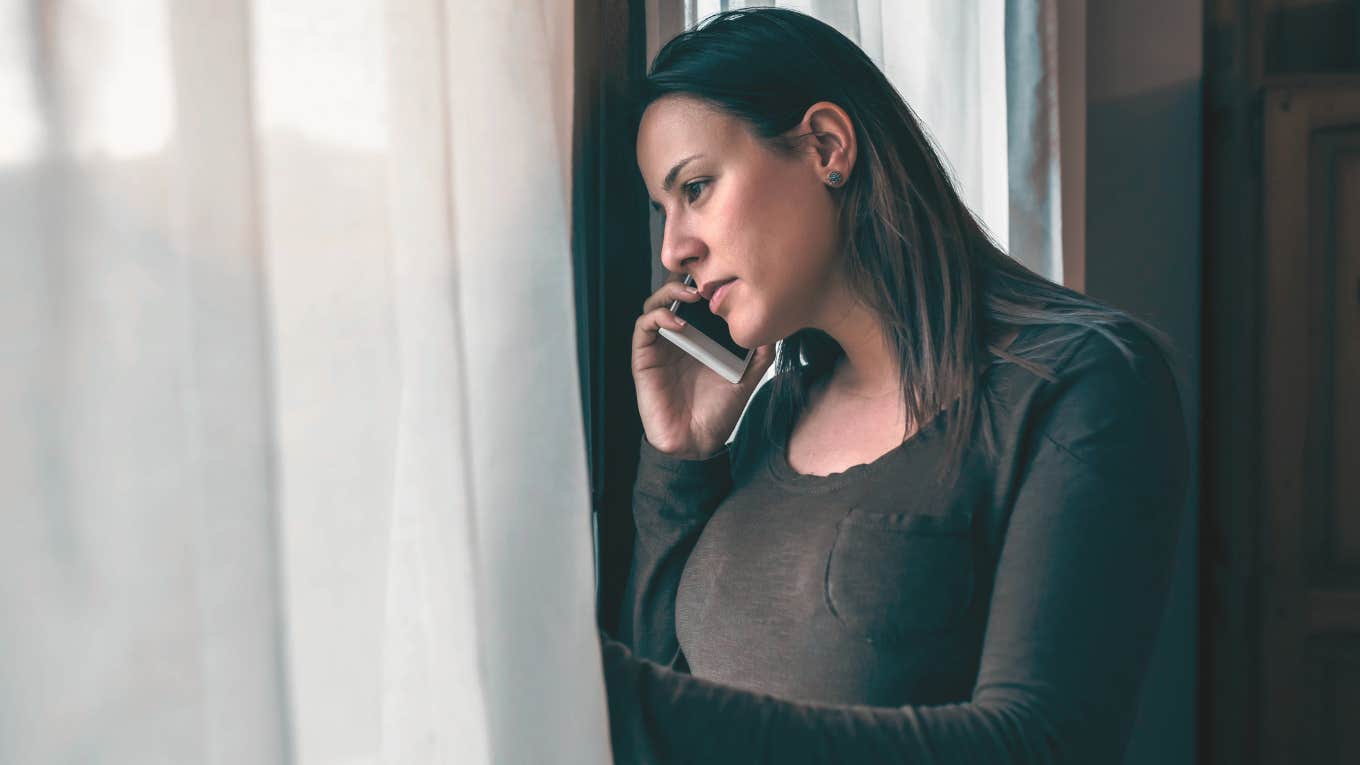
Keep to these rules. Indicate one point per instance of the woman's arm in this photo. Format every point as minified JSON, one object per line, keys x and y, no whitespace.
{"x":1080,"y":588}
{"x":672,"y":500}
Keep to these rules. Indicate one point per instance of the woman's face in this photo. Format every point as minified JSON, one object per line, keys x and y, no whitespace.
{"x":737,"y":211}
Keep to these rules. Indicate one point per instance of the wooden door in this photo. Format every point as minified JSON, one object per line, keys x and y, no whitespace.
{"x":1308,"y":705}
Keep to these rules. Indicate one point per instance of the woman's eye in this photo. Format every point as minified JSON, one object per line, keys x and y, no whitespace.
{"x":692,"y":189}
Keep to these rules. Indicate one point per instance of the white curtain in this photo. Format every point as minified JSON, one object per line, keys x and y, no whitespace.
{"x":1046,"y":116}
{"x":1000,"y":88}
{"x":291,"y":463}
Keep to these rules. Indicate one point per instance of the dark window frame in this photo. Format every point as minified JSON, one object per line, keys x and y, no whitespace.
{"x":611,"y":253}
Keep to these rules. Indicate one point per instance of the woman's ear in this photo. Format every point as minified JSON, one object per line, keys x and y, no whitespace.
{"x":833,"y":137}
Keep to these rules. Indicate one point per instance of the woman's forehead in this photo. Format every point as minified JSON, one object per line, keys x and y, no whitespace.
{"x":673,"y":128}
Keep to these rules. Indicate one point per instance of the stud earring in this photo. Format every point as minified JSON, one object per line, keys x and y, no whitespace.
{"x":835,"y":178}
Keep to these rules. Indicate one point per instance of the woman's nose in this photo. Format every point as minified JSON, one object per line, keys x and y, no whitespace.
{"x":679,"y":249}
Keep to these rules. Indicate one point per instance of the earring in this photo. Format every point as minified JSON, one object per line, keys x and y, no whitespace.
{"x":835,"y":178}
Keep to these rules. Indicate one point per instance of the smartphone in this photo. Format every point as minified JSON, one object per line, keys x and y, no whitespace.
{"x":706,"y":338}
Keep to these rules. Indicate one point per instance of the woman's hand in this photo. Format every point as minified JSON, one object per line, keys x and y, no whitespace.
{"x":687,"y":409}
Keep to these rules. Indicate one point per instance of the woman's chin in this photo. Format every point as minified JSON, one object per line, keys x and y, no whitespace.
{"x":743,"y":335}
{"x":749,"y":325}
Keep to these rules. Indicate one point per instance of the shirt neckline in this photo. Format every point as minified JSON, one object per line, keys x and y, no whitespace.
{"x":783,"y":473}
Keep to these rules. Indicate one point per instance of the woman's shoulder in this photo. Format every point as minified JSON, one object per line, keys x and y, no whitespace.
{"x":1062,"y":354}
{"x":1113,"y":381}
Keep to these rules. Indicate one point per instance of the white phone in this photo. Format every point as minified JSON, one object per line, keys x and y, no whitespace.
{"x":706,"y":338}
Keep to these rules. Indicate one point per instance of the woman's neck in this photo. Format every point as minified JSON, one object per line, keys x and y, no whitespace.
{"x":868,"y":369}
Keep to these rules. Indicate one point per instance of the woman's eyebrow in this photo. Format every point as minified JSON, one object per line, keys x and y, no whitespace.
{"x":670,"y":177}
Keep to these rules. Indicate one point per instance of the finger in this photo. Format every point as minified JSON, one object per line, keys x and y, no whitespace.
{"x":645,"y":329}
{"x":669,"y":293}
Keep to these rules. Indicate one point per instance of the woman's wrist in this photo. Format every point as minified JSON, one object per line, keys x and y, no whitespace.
{"x":700,"y":454}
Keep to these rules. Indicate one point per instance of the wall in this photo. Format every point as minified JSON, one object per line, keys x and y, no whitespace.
{"x":1143,"y":167}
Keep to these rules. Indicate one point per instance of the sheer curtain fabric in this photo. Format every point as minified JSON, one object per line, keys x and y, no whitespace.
{"x":292,"y":463}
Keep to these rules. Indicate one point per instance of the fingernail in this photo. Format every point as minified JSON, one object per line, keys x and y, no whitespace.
{"x":691,"y":289}
{"x":679,"y":321}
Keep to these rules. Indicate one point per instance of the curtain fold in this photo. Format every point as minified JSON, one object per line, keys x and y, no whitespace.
{"x":140,"y":616}
{"x":292,"y":464}
{"x":1045,"y":108}
{"x":527,"y":444}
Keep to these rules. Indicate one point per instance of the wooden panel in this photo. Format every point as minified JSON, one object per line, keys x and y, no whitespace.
{"x":1331,"y":499}
{"x":1344,"y":257}
{"x":1311,"y":36}
{"x":1274,"y":561}
{"x":1285,"y":396}
{"x":1345,"y":673}
{"x":1328,"y":734}
{"x":1308,"y":593}
{"x":1231,"y":403}
{"x":1333,"y":611}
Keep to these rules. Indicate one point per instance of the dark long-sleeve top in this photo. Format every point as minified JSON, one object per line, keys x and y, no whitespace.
{"x":881,"y":615}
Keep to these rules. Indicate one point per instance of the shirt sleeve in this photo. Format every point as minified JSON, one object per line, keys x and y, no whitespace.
{"x":1080,"y":589}
{"x":672,"y":500}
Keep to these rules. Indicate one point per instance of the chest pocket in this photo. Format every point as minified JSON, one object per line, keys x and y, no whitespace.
{"x":891,"y":575}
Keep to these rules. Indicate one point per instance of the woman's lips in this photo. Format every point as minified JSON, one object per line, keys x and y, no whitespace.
{"x":718,"y":295}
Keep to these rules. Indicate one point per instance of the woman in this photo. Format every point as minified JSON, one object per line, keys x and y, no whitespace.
{"x":944,"y":531}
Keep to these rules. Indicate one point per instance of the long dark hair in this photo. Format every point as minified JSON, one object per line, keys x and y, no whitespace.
{"x":913,"y":252}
